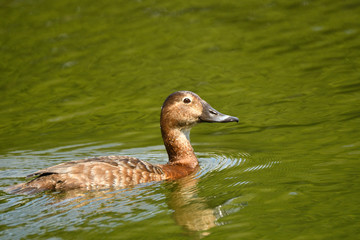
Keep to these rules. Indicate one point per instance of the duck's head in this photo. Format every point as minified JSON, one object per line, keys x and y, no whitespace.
{"x":184,"y":109}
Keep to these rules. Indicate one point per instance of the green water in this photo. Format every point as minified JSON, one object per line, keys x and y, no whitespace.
{"x":87,"y":78}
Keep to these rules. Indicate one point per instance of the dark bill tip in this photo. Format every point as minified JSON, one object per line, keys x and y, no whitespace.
{"x":209,"y":114}
{"x":231,"y":119}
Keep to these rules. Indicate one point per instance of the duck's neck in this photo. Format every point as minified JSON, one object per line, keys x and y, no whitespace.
{"x":178,"y":147}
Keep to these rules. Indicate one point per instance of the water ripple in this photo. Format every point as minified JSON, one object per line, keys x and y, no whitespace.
{"x":219,"y":162}
{"x":261,"y":166}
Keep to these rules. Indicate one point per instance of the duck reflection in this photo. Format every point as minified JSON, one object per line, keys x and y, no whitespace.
{"x":190,"y":210}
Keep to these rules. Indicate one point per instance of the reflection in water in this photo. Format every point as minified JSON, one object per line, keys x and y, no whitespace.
{"x":190,"y":210}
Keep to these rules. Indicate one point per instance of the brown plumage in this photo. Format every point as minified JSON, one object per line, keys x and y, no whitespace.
{"x":180,"y":111}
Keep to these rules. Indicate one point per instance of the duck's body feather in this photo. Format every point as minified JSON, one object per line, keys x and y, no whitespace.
{"x":92,"y":173}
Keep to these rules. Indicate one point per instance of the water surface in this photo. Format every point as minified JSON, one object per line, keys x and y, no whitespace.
{"x":83,"y":78}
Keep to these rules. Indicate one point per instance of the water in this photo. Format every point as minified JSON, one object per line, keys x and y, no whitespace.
{"x":82,"y":78}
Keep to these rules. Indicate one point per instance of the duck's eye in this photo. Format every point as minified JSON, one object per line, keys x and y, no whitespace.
{"x":187,"y":100}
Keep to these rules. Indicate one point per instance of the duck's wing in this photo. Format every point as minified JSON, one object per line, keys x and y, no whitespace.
{"x":117,"y":161}
{"x":91,"y":173}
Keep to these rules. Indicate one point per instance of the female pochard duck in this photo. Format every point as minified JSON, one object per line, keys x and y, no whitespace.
{"x":180,"y":112}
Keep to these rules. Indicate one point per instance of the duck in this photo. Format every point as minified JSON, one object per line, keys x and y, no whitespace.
{"x":180,"y":111}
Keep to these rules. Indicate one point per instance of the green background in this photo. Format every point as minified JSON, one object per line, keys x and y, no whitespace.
{"x":87,"y":78}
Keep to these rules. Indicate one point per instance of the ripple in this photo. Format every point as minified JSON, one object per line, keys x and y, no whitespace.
{"x":71,"y":210}
{"x":232,"y":206}
{"x":219,"y":162}
{"x":261,"y":166}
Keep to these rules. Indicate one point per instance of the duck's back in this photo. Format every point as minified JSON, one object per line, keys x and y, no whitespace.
{"x":92,"y":173}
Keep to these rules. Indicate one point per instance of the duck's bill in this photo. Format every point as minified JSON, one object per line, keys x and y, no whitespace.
{"x":210,"y":114}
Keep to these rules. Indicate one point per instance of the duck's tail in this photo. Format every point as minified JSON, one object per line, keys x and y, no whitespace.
{"x":23,"y":188}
